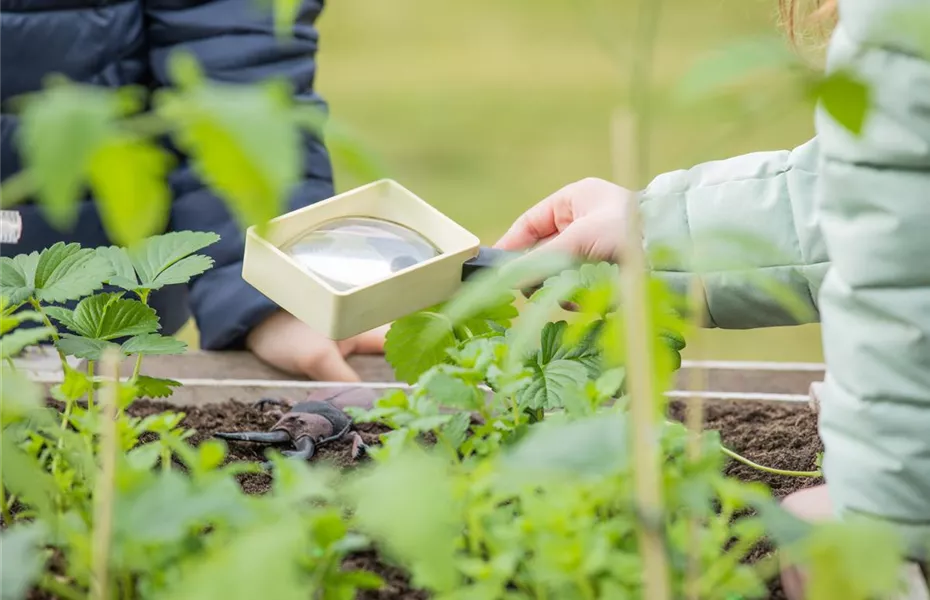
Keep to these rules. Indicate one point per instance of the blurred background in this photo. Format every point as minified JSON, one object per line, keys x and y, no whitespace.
{"x":484,"y":107}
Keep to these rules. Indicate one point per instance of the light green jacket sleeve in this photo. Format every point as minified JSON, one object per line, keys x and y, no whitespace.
{"x":875,"y":299}
{"x":748,"y":225}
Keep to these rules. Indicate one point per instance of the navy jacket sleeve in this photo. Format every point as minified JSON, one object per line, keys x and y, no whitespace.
{"x":234,"y":42}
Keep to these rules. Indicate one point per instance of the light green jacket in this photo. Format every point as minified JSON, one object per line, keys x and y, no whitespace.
{"x":844,"y":224}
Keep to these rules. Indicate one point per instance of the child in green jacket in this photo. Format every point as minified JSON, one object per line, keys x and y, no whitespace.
{"x":850,"y":216}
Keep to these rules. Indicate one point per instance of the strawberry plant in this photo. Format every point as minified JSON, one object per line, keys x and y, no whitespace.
{"x":52,"y":464}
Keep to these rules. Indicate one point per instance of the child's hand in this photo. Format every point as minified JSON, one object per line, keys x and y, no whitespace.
{"x":292,"y":346}
{"x":585,"y":219}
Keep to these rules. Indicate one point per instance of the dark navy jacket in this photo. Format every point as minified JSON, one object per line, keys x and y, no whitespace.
{"x":127,"y":42}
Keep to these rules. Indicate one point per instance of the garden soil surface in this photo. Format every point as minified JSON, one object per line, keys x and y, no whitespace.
{"x":782,"y":436}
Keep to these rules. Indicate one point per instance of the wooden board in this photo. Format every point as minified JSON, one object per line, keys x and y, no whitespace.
{"x":209,"y":377}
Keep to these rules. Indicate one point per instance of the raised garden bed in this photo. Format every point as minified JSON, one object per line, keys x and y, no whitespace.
{"x":782,"y":435}
{"x":780,"y":432}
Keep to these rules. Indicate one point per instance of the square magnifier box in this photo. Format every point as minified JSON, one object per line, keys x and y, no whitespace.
{"x":342,"y":313}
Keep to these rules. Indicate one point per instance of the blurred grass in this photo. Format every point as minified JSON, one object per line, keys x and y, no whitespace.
{"x":484,"y":107}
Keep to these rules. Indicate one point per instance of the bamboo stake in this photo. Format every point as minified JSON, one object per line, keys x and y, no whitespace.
{"x":645,"y":448}
{"x":103,"y":494}
{"x":694,"y":420}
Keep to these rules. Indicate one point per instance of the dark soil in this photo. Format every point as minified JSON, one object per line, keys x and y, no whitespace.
{"x":782,"y":436}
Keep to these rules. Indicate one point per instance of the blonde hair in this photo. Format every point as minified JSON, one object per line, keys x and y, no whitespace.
{"x":796,"y":14}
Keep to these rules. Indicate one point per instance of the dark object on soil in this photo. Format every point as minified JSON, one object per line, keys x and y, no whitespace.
{"x":306,"y":425}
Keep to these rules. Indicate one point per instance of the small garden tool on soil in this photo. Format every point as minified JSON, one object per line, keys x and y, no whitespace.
{"x":306,"y":426}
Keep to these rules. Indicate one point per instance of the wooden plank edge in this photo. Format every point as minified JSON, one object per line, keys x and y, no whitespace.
{"x":204,"y":391}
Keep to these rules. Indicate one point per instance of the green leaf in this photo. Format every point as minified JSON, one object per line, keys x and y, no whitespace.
{"x":263,"y":561}
{"x":19,"y":396}
{"x":408,"y":353}
{"x":446,"y":390}
{"x":11,"y":344}
{"x":418,"y":530}
{"x":496,"y":314}
{"x":68,"y":272}
{"x":244,"y":139}
{"x":79,"y":119}
{"x":75,"y":385}
{"x":551,"y":383}
{"x":166,"y":259}
{"x":124,"y":274}
{"x":109,"y":316}
{"x":167,"y":506}
{"x":154,"y":387}
{"x":23,"y":559}
{"x":129,"y":179}
{"x":589,"y":447}
{"x":484,"y":290}
{"x":456,"y":430}
{"x":25,"y":477}
{"x":153,"y":343}
{"x":17,"y":277}
{"x":84,"y":347}
{"x":11,"y":319}
{"x":845,"y":98}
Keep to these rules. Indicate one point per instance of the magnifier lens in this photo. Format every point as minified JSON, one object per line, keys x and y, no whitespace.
{"x":357,"y":251}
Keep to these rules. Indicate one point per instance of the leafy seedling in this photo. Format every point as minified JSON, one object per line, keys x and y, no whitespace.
{"x":306,"y":425}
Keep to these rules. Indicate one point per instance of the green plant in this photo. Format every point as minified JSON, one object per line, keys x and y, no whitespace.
{"x":132,"y":528}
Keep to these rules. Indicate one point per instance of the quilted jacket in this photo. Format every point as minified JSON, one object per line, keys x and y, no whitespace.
{"x":842,"y":223}
{"x":116,"y":43}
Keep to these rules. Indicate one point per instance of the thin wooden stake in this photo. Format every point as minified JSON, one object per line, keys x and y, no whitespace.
{"x":694,"y":420}
{"x":645,"y":449}
{"x":106,"y":478}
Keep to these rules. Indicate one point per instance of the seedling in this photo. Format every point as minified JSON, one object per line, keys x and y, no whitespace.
{"x":306,"y":425}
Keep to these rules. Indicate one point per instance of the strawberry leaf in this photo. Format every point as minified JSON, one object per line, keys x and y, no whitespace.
{"x":68,"y":272}
{"x":83,"y":347}
{"x":22,"y":548}
{"x":128,"y":176}
{"x":79,"y":118}
{"x":17,"y":277}
{"x":19,"y":396}
{"x":407,"y":352}
{"x":154,"y":387}
{"x":108,"y":316}
{"x":75,"y":386}
{"x":11,"y":344}
{"x":245,"y":140}
{"x":124,"y":274}
{"x":10,"y":320}
{"x":551,"y":383}
{"x":153,"y":343}
{"x":160,"y":260}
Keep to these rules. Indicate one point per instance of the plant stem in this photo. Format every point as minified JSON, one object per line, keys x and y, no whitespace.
{"x":48,"y":322}
{"x":10,"y":363}
{"x":103,"y":494}
{"x":90,"y":376}
{"x":144,"y":298}
{"x":7,"y":515}
{"x":748,"y":462}
{"x":59,"y":589}
{"x":126,"y":587}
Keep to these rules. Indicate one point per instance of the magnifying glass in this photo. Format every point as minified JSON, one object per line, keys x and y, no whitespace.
{"x":362,"y":259}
